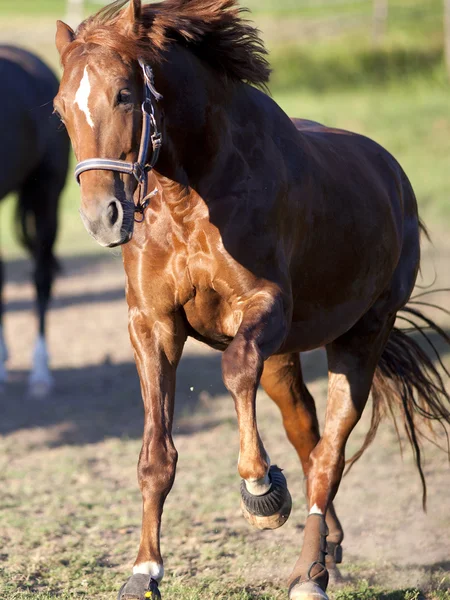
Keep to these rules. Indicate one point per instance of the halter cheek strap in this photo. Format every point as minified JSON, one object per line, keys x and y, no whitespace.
{"x":140,"y":168}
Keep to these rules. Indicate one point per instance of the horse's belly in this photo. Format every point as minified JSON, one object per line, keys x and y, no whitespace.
{"x":316,"y":326}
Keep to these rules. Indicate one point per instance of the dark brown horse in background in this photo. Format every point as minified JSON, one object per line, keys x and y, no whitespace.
{"x":258,"y":238}
{"x":34,"y":155}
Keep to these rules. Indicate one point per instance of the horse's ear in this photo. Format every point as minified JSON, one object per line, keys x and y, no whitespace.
{"x":64,"y":36}
{"x":131,"y":15}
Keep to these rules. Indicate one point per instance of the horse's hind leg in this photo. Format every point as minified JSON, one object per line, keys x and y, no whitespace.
{"x":38,"y":202}
{"x":352,"y":360}
{"x":282,"y":380}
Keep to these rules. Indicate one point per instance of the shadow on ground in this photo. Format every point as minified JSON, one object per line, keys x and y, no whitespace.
{"x":92,"y":403}
{"x":18,"y":270}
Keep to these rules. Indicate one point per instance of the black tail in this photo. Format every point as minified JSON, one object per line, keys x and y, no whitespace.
{"x":408,"y":379}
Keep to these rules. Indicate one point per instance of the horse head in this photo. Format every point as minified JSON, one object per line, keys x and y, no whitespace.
{"x":99,"y":101}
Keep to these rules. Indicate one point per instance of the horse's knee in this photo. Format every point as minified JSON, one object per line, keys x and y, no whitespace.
{"x":242,"y":366}
{"x":157,"y":466}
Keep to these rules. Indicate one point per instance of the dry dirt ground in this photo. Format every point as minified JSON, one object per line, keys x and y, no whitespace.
{"x":69,"y":501}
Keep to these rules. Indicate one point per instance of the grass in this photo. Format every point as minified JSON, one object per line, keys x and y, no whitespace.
{"x":70,"y":513}
{"x":70,"y":530}
{"x":366,"y":592}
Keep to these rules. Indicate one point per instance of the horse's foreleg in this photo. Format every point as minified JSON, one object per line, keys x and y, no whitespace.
{"x":3,"y":348}
{"x":352,"y":360}
{"x":282,"y":380}
{"x":266,"y":501}
{"x":157,"y":346}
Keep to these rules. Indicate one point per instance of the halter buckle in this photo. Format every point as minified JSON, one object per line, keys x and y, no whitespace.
{"x":156,"y":141}
{"x":139,"y":172}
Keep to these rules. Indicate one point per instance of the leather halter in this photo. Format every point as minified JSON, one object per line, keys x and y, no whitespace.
{"x":140,"y":168}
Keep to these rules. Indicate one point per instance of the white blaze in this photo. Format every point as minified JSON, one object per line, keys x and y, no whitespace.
{"x":82,"y":97}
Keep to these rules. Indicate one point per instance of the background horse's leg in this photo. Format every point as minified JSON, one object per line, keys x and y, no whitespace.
{"x":37,"y":208}
{"x":282,"y":380}
{"x":265,"y":500}
{"x":3,"y":348}
{"x":352,"y":360}
{"x":158,"y":346}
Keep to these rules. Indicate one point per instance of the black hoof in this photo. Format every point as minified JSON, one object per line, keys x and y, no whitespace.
{"x":271,"y":510}
{"x":139,"y":587}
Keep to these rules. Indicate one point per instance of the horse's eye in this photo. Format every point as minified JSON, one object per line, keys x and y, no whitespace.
{"x":124,"y":97}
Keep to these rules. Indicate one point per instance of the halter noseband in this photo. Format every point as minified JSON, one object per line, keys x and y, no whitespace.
{"x":140,"y":168}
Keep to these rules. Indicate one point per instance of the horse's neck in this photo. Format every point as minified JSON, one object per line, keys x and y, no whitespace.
{"x":198,"y":106}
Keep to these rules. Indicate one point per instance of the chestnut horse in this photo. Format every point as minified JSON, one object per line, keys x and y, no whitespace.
{"x":259,"y":238}
{"x":34,"y":159}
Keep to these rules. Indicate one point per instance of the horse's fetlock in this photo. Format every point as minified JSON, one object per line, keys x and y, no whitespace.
{"x":254,"y":472}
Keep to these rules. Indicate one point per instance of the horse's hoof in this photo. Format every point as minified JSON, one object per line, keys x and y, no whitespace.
{"x":307,"y":591}
{"x":40,"y":389}
{"x":139,"y":587}
{"x":271,"y":510}
{"x":3,"y":376}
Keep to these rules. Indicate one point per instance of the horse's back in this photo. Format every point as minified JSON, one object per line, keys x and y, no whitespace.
{"x":356,"y":230}
{"x":30,"y":136}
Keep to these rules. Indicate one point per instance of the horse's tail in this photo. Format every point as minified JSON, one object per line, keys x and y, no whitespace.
{"x":31,"y":211}
{"x":407,"y":379}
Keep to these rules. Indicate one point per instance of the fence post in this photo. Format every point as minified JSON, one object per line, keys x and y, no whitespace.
{"x":447,"y":33}
{"x":379,"y":21}
{"x":74,"y":12}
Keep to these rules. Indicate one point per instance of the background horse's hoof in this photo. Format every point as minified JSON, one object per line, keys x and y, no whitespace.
{"x":307,"y":591}
{"x":271,"y":510}
{"x":40,"y":388}
{"x":139,"y":587}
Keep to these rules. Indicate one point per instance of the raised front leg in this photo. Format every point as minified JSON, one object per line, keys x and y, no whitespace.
{"x":266,"y":501}
{"x":158,"y":344}
{"x":352,"y":360}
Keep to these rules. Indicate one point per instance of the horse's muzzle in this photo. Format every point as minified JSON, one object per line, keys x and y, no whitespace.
{"x":110,"y":222}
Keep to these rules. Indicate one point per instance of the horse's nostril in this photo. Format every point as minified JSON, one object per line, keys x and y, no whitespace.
{"x":113,"y":212}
